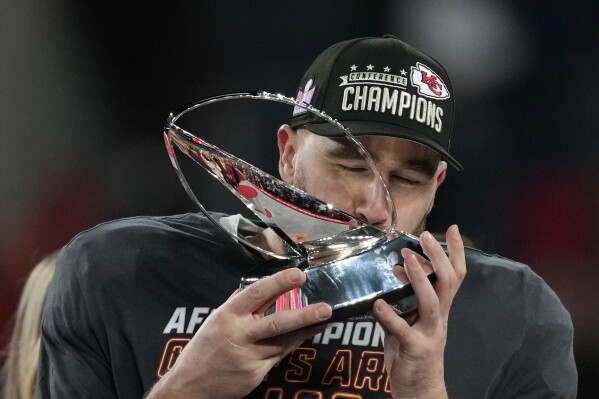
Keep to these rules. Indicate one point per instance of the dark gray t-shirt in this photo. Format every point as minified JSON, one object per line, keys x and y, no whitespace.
{"x":128,"y":295}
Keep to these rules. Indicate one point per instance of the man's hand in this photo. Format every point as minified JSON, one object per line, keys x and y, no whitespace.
{"x":236,"y":346}
{"x":414,"y":354}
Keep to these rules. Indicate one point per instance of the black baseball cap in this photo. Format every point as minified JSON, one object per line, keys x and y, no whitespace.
{"x":379,"y":86}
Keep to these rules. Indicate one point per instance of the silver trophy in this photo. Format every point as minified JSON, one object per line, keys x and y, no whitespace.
{"x":348,"y":262}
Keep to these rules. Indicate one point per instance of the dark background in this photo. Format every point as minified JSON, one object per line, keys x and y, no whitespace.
{"x":85,"y":90}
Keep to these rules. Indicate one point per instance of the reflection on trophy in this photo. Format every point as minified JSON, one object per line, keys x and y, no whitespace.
{"x":348,"y":262}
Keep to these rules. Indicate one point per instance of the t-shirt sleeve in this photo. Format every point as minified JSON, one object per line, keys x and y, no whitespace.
{"x":73,"y":358}
{"x":544,"y":366}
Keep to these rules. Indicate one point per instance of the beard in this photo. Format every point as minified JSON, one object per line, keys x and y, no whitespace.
{"x":421,"y":226}
{"x":299,"y":180}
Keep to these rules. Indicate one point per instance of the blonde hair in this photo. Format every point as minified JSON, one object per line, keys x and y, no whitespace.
{"x":20,"y":369}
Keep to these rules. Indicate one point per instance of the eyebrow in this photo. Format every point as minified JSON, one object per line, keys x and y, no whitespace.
{"x":425,"y":165}
{"x":343,"y":150}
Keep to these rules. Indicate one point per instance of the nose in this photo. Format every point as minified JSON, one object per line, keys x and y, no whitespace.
{"x":373,"y":206}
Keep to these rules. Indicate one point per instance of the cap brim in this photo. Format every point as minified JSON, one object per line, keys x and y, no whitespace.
{"x":361,"y":128}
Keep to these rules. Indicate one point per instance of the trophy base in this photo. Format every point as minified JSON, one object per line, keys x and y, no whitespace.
{"x":351,"y":285}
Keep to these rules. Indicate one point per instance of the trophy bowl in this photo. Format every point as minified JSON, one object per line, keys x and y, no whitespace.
{"x":347,"y":261}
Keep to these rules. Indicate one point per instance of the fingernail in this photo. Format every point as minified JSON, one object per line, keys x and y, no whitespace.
{"x":295,"y":275}
{"x":428,"y":237}
{"x":410,"y":263}
{"x":380,"y":305}
{"x":455,"y":231}
{"x":324,"y":312}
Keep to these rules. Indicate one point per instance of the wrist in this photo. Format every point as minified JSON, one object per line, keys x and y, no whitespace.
{"x":429,"y":387}
{"x":170,"y":386}
{"x":428,"y":393}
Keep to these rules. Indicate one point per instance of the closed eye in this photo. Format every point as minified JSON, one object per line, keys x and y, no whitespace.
{"x":354,"y":169}
{"x":405,"y":180}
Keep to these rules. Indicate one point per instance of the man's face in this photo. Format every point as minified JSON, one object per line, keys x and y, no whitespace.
{"x":333,"y":171}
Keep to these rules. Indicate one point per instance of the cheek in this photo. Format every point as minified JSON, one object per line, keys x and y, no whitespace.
{"x":411,"y":209}
{"x":325,"y":186}
{"x":332,"y":191}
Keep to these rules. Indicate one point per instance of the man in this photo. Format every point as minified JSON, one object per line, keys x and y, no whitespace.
{"x":130,"y":295}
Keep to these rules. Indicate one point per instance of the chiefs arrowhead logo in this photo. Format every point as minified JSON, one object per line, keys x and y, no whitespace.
{"x":428,"y":83}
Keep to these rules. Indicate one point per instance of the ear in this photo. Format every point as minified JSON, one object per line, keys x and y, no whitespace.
{"x":287,"y":139}
{"x":441,"y":172}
